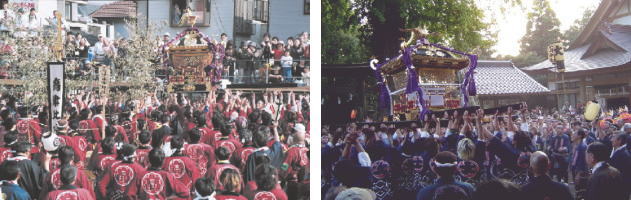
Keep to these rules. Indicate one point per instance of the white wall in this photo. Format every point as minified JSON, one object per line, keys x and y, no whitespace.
{"x":221,"y":17}
{"x":45,"y":8}
{"x":287,"y":18}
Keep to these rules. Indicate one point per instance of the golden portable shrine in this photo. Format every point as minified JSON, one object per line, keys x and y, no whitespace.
{"x":425,"y":78}
{"x":195,"y":62}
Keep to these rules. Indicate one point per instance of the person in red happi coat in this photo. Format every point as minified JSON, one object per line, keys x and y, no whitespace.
{"x":180,"y":165}
{"x":201,"y":153}
{"x":143,"y":151}
{"x":231,"y":181}
{"x":66,"y":157}
{"x":222,"y":154}
{"x":119,"y":178}
{"x":208,"y":135}
{"x":156,"y":183}
{"x":87,"y":126}
{"x":99,"y":162}
{"x":266,"y":182}
{"x":204,"y":189}
{"x":240,"y":156}
{"x":68,"y":190}
{"x":10,"y":139}
{"x":226,"y":141}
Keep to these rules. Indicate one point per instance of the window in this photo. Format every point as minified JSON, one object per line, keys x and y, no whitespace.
{"x":197,"y":9}
{"x":247,"y":11}
{"x":68,"y":11}
{"x":307,"y":6}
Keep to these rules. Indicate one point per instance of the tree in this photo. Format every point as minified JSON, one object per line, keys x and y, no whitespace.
{"x":458,"y":23}
{"x":542,"y":29}
{"x":579,"y":24}
{"x":524,"y":59}
{"x":340,"y":34}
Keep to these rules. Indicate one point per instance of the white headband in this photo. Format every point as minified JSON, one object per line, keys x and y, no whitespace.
{"x":445,"y":164}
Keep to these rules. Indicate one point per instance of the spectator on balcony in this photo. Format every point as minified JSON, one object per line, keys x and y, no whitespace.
{"x":224,"y":40}
{"x":6,"y":18}
{"x":286,"y":62}
{"x":99,"y":49}
{"x":229,"y":60}
{"x":34,"y":22}
{"x":82,"y":46}
{"x":70,"y":46}
{"x":52,"y":22}
{"x":275,"y":43}
{"x":298,"y":54}
{"x":21,"y":24}
{"x":266,"y":47}
{"x":166,"y":37}
{"x":250,"y":56}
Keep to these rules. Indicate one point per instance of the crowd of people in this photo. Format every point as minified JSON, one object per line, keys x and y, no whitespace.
{"x":270,"y":61}
{"x":523,"y":154}
{"x":280,"y":61}
{"x":228,"y":145}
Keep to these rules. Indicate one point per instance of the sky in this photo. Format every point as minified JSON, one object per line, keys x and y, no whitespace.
{"x":512,"y":24}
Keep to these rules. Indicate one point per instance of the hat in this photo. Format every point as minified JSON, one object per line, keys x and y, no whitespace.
{"x":356,"y":193}
{"x":380,"y":169}
{"x":61,"y":125}
{"x":300,"y":128}
{"x":627,"y":125}
{"x":166,"y":34}
{"x":413,"y":164}
{"x":51,"y":141}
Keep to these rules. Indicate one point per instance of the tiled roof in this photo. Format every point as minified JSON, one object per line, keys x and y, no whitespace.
{"x":119,"y":9}
{"x":503,"y":78}
{"x":620,"y":35}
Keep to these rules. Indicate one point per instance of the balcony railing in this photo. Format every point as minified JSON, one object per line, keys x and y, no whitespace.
{"x":254,"y":71}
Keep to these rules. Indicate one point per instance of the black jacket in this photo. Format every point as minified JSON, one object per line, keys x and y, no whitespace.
{"x":158,"y":135}
{"x":606,"y":183}
{"x":543,"y":187}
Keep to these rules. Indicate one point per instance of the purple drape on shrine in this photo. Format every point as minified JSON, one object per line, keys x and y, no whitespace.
{"x":467,"y":87}
{"x":385,"y":100}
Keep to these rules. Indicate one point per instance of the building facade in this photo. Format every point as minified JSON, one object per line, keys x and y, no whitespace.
{"x":597,"y":63}
{"x":241,"y":20}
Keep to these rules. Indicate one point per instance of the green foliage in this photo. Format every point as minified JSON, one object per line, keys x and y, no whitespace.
{"x":542,"y":29}
{"x":347,"y":48}
{"x":524,"y":59}
{"x":459,"y":23}
{"x":376,"y":24}
{"x":579,"y":24}
{"x":340,"y":36}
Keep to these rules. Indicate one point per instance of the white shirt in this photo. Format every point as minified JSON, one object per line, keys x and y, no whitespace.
{"x":35,"y":23}
{"x":22,"y":21}
{"x":364,"y":159}
{"x":286,"y":61}
{"x":616,"y":149}
{"x":597,"y":165}
{"x":98,"y":48}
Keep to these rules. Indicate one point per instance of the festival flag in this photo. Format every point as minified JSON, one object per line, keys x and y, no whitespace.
{"x":56,"y":93}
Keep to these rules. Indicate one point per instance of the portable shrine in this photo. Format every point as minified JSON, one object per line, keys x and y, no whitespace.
{"x":424,"y":78}
{"x":195,"y":62}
